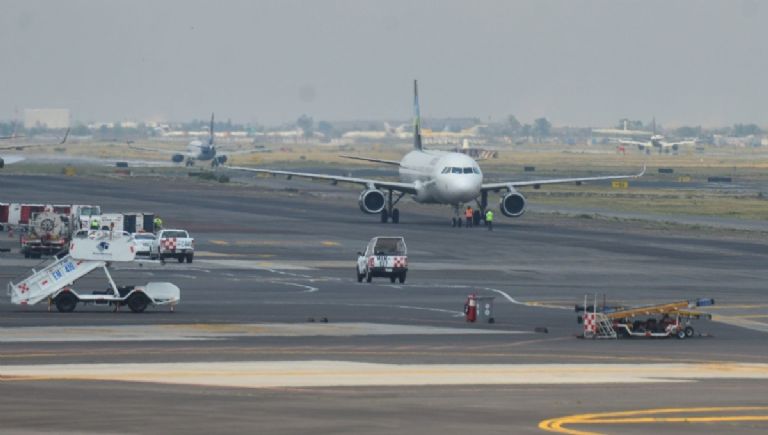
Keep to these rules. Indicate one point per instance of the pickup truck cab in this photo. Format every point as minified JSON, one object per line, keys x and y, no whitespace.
{"x":385,"y":257}
{"x":173,"y":244}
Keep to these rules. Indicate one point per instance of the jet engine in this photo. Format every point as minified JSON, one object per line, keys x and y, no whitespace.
{"x":371,"y":201}
{"x":177,"y":158}
{"x":512,"y":204}
{"x":221,"y":159}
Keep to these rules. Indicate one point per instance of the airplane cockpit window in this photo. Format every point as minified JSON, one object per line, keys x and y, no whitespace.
{"x":476,"y":170}
{"x":455,"y":170}
{"x":446,"y":170}
{"x":467,"y":170}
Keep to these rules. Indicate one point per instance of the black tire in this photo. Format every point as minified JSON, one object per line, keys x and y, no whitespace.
{"x":384,"y":216}
{"x":180,"y":258}
{"x":360,"y":276}
{"x":680,"y":334}
{"x":369,"y":277}
{"x":401,"y":278}
{"x":395,"y":216}
{"x":459,"y":222}
{"x":26,"y":254}
{"x":392,"y":278}
{"x":689,"y":331}
{"x":66,"y":302}
{"x":190,"y":257}
{"x":453,"y":222}
{"x":138,"y":302}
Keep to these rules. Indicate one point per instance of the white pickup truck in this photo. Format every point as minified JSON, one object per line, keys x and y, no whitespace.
{"x":383,"y":256}
{"x":173,"y":244}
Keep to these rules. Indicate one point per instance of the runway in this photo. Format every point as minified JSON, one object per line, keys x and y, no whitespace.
{"x":273,"y":263}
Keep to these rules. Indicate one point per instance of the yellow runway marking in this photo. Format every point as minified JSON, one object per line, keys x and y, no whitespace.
{"x":649,"y":416}
{"x":219,"y":242}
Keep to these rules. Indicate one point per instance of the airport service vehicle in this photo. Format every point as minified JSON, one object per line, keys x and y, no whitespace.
{"x":144,"y":244}
{"x":384,"y":256}
{"x":435,"y":177}
{"x":173,"y":244}
{"x":88,"y":251}
{"x":49,"y":233}
{"x":653,"y":321}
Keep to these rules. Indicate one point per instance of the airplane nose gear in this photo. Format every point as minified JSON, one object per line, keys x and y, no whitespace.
{"x":456,"y":220}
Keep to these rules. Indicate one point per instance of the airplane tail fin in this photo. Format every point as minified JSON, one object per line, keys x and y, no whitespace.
{"x":210,"y":137}
{"x":416,"y":117}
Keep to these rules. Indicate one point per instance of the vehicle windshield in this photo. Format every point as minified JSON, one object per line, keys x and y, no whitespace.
{"x":145,"y":236}
{"x":389,"y":247}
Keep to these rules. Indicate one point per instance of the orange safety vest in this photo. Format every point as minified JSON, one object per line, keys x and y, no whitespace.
{"x":468,"y":213}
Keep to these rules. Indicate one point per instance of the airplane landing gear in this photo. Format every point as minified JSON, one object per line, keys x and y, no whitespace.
{"x":456,"y":220}
{"x":482,"y":205}
{"x":390,"y":211}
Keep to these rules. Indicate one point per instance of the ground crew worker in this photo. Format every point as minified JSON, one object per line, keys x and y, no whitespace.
{"x":94,"y":224}
{"x":468,"y":215}
{"x":489,"y":219}
{"x":158,"y":223}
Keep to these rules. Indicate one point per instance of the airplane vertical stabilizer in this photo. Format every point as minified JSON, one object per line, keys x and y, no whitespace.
{"x":416,"y":117}
{"x":210,"y":137}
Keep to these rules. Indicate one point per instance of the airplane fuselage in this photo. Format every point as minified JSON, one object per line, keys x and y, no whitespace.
{"x":199,"y":150}
{"x":441,"y":177}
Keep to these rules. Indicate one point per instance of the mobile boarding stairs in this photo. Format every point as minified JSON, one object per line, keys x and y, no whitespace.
{"x":88,"y":251}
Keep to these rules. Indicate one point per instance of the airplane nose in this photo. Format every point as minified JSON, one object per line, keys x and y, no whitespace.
{"x":465,"y":188}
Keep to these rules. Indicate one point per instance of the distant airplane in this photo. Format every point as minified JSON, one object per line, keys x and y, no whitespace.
{"x":16,"y":159}
{"x":197,"y":150}
{"x":435,"y":177}
{"x":657,"y":141}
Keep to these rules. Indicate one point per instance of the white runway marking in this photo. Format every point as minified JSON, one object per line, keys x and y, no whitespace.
{"x":206,"y":331}
{"x":270,"y":374}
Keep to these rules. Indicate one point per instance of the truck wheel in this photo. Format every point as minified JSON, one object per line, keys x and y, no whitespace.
{"x":190,"y":257}
{"x":66,"y":302}
{"x":402,"y":278}
{"x":180,"y":258}
{"x":392,"y":278}
{"x":359,"y":275}
{"x":368,"y":277}
{"x":689,"y":331}
{"x":680,"y":334}
{"x":138,"y":302}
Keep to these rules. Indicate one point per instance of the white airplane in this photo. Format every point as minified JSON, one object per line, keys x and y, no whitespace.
{"x":15,"y":159}
{"x":657,"y":141}
{"x":197,"y":150}
{"x":434,"y":177}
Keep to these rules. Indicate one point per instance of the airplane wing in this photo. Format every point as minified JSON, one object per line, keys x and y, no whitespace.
{"x":156,"y":150}
{"x":677,"y":144}
{"x":21,"y":147}
{"x":633,"y":142}
{"x":368,"y":159}
{"x":367,"y":182}
{"x":510,"y":184}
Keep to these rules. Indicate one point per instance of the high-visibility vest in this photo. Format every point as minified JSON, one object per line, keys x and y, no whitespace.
{"x":489,"y":216}
{"x":468,"y":213}
{"x":94,"y":224}
{"x":158,"y":222}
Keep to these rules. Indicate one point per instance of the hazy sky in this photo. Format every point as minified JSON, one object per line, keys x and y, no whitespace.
{"x":577,"y":62}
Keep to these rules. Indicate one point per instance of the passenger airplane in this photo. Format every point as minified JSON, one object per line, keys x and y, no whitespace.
{"x":657,"y":141}
{"x":196,"y":150}
{"x":434,"y":177}
{"x":16,"y":159}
